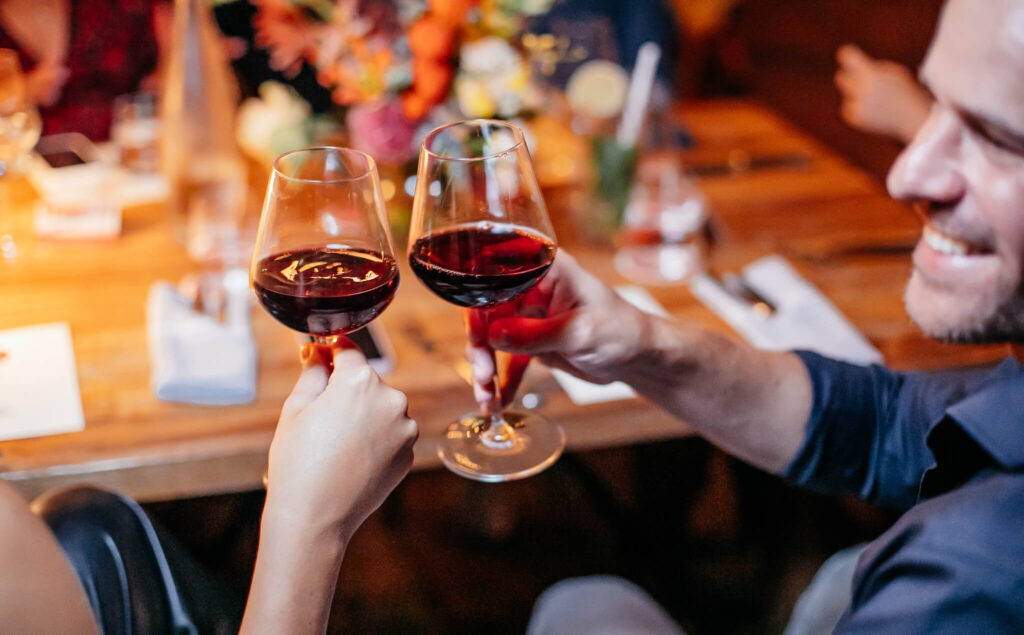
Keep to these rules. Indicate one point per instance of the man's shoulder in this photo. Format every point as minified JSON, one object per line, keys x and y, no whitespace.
{"x":983,"y":519}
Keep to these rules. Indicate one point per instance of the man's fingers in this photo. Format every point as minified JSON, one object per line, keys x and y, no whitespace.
{"x":476,"y":326}
{"x":481,"y":360}
{"x":530,"y":336}
{"x":511,"y":369}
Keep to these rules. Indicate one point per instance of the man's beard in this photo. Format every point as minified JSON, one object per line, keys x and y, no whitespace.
{"x":1003,"y":324}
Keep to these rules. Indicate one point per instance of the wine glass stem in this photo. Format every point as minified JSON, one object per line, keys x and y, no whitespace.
{"x":330,"y":341}
{"x":8,"y":248}
{"x":499,"y":434}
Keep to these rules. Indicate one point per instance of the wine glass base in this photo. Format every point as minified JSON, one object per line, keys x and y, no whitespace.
{"x":534,"y":445}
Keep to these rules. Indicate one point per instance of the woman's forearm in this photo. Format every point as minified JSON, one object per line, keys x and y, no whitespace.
{"x":295,"y":576}
{"x":752,"y":403}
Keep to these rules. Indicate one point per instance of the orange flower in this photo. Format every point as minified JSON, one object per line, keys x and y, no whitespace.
{"x":414,"y":107}
{"x":452,"y":12}
{"x":430,"y":79}
{"x":431,"y":38}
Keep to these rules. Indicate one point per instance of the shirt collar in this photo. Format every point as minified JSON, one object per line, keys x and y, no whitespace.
{"x":994,"y":415}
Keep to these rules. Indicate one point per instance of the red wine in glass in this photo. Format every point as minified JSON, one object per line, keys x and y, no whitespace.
{"x":325,"y":291}
{"x":482,"y":264}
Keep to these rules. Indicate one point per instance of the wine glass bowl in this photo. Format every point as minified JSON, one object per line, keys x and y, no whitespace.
{"x":323,"y":262}
{"x":480,"y":237}
{"x":480,"y":234}
{"x":20,"y":128}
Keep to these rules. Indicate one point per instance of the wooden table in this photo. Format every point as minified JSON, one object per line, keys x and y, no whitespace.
{"x":817,"y":215}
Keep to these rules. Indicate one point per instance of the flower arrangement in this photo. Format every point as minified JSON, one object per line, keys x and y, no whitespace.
{"x":390,"y":64}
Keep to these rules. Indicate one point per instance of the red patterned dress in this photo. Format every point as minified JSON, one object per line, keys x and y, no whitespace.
{"x":112,"y":48}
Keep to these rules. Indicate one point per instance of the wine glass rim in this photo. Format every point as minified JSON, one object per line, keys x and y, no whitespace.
{"x":517,"y":132}
{"x":371,"y":165}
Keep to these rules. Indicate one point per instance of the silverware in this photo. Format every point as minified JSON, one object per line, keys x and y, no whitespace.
{"x":897,"y":248}
{"x":741,"y":162}
{"x":737,"y":287}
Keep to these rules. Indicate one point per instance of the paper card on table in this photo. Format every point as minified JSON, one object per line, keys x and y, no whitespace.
{"x":582,"y":392}
{"x":803,"y":318}
{"x":38,"y":382}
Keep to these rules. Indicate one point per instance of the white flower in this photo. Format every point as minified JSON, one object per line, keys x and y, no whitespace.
{"x":488,"y":55}
{"x":260,"y":119}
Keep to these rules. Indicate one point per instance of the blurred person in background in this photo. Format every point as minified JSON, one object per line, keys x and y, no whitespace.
{"x":615,"y":30}
{"x":328,"y":472}
{"x":78,"y":55}
{"x":879,"y":96}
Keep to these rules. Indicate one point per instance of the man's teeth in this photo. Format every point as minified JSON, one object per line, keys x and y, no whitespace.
{"x":945,"y":244}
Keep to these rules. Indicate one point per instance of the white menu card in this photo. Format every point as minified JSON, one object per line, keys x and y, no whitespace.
{"x":38,"y":382}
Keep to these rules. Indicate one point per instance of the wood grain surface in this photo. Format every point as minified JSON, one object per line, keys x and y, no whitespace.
{"x":826,"y":217}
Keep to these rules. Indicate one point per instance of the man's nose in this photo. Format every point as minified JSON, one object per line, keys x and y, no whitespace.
{"x":929,"y":168}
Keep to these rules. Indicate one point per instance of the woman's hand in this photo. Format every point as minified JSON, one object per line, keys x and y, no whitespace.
{"x":343,"y":442}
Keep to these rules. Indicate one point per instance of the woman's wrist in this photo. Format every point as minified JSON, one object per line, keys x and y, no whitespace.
{"x":290,"y":519}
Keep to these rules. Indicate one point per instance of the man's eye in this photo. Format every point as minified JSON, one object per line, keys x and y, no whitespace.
{"x":999,"y":142}
{"x":999,"y":139}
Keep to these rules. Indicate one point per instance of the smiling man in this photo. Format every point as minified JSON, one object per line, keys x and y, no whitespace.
{"x":966,"y":167}
{"x":949,"y":447}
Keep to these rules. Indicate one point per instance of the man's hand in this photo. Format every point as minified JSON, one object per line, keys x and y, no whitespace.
{"x":343,"y":442}
{"x":570,"y":321}
{"x":752,"y":403}
{"x":496,"y":374}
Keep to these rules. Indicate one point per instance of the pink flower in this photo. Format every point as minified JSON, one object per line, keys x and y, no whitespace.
{"x":379,"y":129}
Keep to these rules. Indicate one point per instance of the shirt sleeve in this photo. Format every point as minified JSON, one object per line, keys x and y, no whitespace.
{"x":959,"y":572}
{"x":867,"y":428}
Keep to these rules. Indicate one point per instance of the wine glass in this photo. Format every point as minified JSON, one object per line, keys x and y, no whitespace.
{"x":324,"y":263}
{"x":20,"y":127}
{"x":480,"y":237}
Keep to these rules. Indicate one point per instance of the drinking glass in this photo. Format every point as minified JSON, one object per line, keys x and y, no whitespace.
{"x":20,"y":127}
{"x":480,"y":237}
{"x":664,"y":235}
{"x":135,"y":132}
{"x":324,"y":263}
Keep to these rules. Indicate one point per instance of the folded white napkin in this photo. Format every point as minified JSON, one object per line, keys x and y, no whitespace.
{"x":583,"y":392}
{"x":197,"y":358}
{"x":803,"y":317}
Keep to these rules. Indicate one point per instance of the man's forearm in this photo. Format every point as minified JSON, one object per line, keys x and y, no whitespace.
{"x":754,"y":404}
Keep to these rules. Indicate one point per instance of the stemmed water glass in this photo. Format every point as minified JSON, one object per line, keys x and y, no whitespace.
{"x":324,"y":262}
{"x":480,"y":237}
{"x":20,"y":127}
